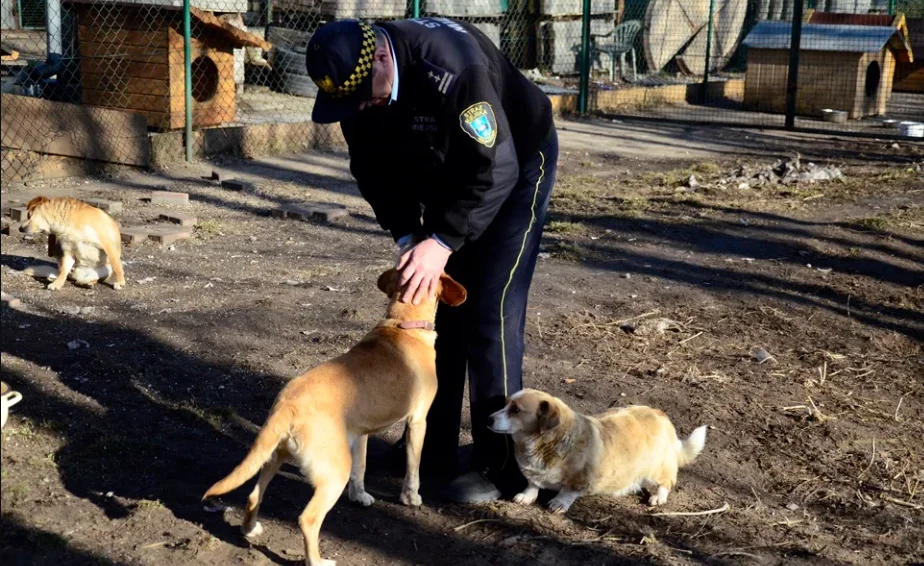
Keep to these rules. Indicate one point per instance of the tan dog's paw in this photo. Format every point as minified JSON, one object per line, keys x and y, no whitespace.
{"x":411,"y":499}
{"x":118,"y":286}
{"x":527,"y":497}
{"x":324,"y":562}
{"x":362,"y":497}
{"x":256,"y":531}
{"x":557,"y":506}
{"x":659,"y":498}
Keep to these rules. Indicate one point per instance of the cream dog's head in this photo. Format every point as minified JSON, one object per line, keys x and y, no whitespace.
{"x":35,"y":220}
{"x":528,"y":412}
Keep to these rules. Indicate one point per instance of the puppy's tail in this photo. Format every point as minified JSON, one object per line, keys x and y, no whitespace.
{"x":690,"y":448}
{"x":272,"y":433}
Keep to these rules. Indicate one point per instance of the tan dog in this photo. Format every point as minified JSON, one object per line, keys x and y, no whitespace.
{"x":321,"y":420}
{"x":84,"y":239}
{"x":617,"y":453}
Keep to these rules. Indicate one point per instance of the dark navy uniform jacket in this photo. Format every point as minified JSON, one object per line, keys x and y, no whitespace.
{"x":448,"y":151}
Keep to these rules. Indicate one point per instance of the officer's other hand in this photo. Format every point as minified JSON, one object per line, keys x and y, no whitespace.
{"x":420,"y":268}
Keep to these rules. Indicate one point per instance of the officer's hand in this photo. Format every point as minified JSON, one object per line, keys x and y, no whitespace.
{"x":421,"y":268}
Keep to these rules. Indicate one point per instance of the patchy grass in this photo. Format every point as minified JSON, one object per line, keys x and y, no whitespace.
{"x":873,"y":223}
{"x":566,"y":228}
{"x":208,"y":228}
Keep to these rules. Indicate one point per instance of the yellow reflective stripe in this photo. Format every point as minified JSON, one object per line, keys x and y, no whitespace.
{"x":516,"y":264}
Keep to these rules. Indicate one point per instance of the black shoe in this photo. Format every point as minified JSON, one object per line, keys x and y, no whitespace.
{"x":473,"y":487}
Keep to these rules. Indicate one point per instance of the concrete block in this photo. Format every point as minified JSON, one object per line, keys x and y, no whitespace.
{"x":134,"y":234}
{"x":237,"y":185}
{"x":311,"y":211}
{"x":179,"y":218}
{"x":166,"y":235}
{"x":471,"y":8}
{"x":559,"y":44}
{"x":110,"y":206}
{"x":167,"y":197}
{"x":18,"y":213}
{"x":575,"y":7}
{"x":12,"y":229}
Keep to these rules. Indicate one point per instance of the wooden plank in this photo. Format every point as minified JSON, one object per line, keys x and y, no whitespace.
{"x":728,"y":19}
{"x":121,"y":83}
{"x":129,"y":52}
{"x":126,"y":101}
{"x":73,"y":130}
{"x":119,"y":67}
{"x":151,"y":38}
{"x":107,"y":16}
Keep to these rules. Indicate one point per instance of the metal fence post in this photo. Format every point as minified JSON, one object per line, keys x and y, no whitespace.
{"x":891,"y":7}
{"x":416,"y":8}
{"x":708,"y":50}
{"x":585,"y":59}
{"x":792,"y":83}
{"x":187,"y":72}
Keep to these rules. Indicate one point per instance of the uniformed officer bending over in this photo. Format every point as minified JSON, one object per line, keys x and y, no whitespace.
{"x":456,"y":152}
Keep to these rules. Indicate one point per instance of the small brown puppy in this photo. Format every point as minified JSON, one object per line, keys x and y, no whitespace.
{"x":320,"y":421}
{"x":618,"y":452}
{"x":88,"y":243}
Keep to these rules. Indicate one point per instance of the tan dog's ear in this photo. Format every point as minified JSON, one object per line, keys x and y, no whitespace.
{"x":452,"y":292}
{"x":548,"y":416}
{"x":388,"y":282}
{"x":35,"y":203}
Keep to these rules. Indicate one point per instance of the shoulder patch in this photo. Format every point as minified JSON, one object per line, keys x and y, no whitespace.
{"x":438,"y":77}
{"x":479,"y":122}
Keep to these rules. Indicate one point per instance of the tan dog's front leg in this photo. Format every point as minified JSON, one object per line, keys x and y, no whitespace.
{"x":416,"y":430}
{"x":114,"y":254}
{"x":357,"y":487}
{"x":65,"y":265}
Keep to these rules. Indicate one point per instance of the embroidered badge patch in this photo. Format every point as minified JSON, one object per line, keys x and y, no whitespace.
{"x":326,"y":84}
{"x":478,"y":121}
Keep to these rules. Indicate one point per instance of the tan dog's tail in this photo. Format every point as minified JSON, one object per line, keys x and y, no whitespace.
{"x":690,"y":448}
{"x":276,"y":427}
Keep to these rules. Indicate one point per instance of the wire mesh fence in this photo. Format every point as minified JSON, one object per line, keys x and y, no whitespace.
{"x":105,"y":81}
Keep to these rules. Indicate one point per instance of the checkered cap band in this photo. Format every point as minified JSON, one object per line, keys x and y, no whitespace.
{"x":363,"y":65}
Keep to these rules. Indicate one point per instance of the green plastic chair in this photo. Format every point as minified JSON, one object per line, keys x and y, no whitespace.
{"x":622,"y":42}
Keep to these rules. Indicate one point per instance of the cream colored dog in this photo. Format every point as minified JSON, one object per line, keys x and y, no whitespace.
{"x":321,"y":420}
{"x":84,"y":239}
{"x":617,"y":453}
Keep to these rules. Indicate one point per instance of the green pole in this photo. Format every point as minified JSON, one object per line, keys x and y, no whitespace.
{"x":708,"y":50}
{"x":891,"y":7}
{"x":583,"y":92}
{"x":187,"y":71}
{"x":416,"y":8}
{"x":269,"y":12}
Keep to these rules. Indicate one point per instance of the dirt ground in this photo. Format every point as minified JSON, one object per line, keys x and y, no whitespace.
{"x":811,"y":456}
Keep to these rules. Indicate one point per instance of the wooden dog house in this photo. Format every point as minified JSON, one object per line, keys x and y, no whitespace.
{"x":841,"y":67}
{"x":909,"y":73}
{"x":132,"y":58}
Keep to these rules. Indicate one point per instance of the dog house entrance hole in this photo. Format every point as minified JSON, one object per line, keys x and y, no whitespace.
{"x":873,"y":76}
{"x":204,"y":79}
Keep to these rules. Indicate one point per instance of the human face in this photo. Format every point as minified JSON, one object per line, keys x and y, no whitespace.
{"x":383,"y":77}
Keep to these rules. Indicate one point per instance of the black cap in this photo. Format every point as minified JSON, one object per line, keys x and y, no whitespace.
{"x":339,"y":60}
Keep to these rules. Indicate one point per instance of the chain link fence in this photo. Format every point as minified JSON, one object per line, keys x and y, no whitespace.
{"x":93,"y":82}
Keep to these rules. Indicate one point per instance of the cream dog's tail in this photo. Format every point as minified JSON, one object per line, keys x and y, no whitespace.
{"x":689,"y":449}
{"x":272,"y":433}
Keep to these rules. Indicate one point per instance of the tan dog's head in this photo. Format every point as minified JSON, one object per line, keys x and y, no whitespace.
{"x":35,"y":220}
{"x":449,"y":290}
{"x":528,"y":412}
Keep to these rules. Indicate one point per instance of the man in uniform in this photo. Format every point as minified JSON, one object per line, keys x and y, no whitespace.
{"x":456,"y":152}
